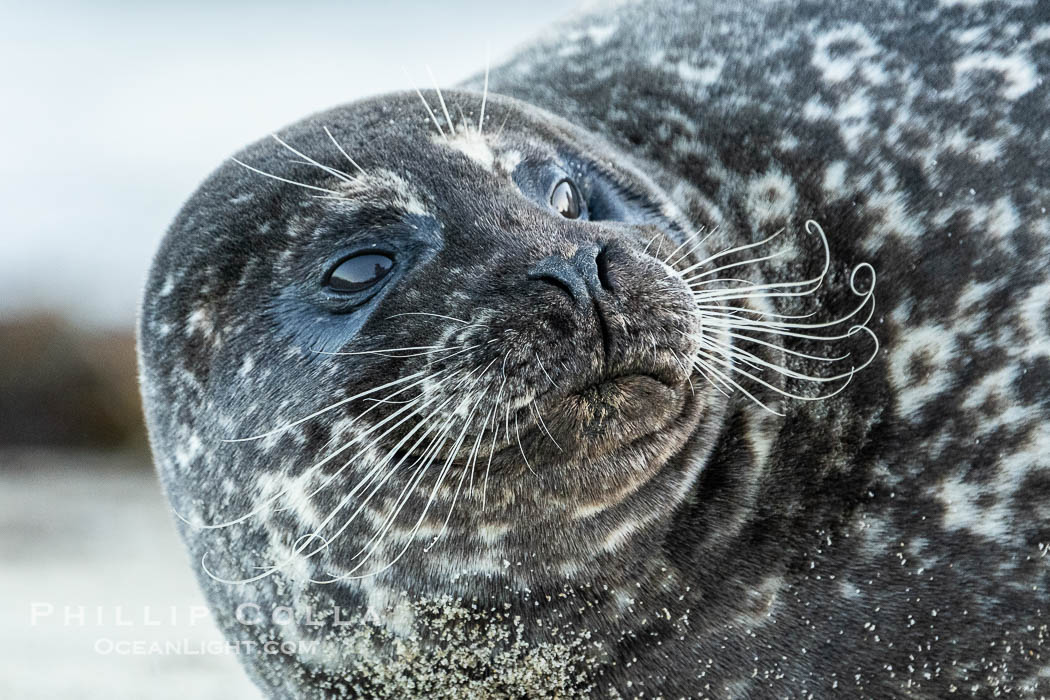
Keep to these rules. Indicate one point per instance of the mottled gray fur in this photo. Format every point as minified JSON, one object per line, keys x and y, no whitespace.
{"x":616,"y":506}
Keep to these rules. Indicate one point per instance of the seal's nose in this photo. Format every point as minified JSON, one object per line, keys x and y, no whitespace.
{"x":582,"y":277}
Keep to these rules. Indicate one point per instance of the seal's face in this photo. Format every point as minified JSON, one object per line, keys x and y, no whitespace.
{"x":404,"y":333}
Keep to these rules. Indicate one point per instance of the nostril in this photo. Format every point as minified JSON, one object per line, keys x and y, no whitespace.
{"x":560,"y":273}
{"x":602,"y":263}
{"x":556,"y":281}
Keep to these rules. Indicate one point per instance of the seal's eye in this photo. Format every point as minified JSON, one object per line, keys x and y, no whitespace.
{"x":359,"y":272}
{"x":566,"y":199}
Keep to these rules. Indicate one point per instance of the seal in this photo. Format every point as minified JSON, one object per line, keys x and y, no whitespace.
{"x":574,"y":382}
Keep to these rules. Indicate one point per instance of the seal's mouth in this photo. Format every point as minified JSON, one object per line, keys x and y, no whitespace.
{"x":615,"y":397}
{"x":596,"y":417}
{"x":613,"y":411}
{"x":596,"y":413}
{"x":627,"y":381}
{"x":625,"y":376}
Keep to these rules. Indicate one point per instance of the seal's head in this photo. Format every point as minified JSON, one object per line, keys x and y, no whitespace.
{"x":403,"y":343}
{"x":411,"y":316}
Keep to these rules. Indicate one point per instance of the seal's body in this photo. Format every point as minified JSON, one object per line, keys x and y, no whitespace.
{"x":562,"y":395}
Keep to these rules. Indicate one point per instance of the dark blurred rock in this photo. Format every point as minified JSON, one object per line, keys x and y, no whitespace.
{"x":65,"y":386}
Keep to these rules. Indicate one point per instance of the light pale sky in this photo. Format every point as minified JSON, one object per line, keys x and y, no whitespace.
{"x":115,"y":111}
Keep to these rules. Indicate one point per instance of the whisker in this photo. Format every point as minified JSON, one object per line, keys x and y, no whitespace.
{"x":462,"y":119}
{"x":783,"y":327}
{"x":693,"y":247}
{"x":459,"y":486}
{"x":441,"y":99}
{"x":721,"y":279}
{"x":729,"y":381}
{"x":733,"y":368}
{"x":682,"y":245}
{"x":729,"y":311}
{"x":485,"y":91}
{"x":284,"y":179}
{"x":424,"y":463}
{"x":545,"y":373}
{"x":417,"y":478}
{"x":426,"y":105}
{"x":752,"y":261}
{"x":690,"y":239}
{"x":345,"y":154}
{"x":372,"y":474}
{"x":726,"y":353}
{"x":492,"y":447}
{"x":477,"y":447}
{"x":700,"y":367}
{"x":729,"y":251}
{"x":499,"y":132}
{"x":522,"y":449}
{"x":356,"y":439}
{"x":389,"y":352}
{"x":370,"y":547}
{"x":324,"y":410}
{"x":310,"y":161}
{"x":237,"y":581}
{"x":796,"y":353}
{"x":424,"y":313}
{"x":758,"y":363}
{"x":650,"y":243}
{"x":543,"y":425}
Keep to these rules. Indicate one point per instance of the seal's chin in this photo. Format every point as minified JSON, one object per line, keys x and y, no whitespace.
{"x":612,"y":412}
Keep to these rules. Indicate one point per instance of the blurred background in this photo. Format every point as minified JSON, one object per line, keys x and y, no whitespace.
{"x":115,"y":111}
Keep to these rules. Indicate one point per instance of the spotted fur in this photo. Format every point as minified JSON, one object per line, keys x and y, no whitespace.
{"x":658,"y":537}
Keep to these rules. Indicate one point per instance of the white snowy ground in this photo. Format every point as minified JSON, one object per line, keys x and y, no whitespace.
{"x":91,"y":534}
